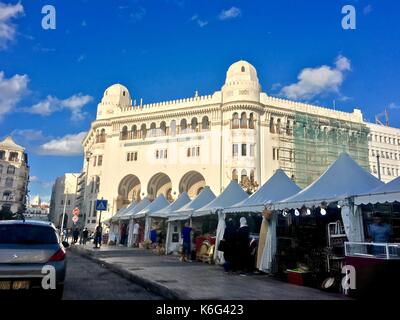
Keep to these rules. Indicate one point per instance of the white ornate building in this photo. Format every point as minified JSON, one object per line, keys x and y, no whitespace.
{"x":14,"y":175}
{"x":63,"y":199}
{"x":384,"y":143}
{"x":238,"y":132}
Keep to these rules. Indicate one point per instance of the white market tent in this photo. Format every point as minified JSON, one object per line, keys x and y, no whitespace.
{"x":132,"y":211}
{"x":278,"y":187}
{"x":122,"y":211}
{"x":182,"y":200}
{"x":344,"y":178}
{"x":205,"y":196}
{"x":159,"y":203}
{"x":387,"y":193}
{"x":232,"y":194}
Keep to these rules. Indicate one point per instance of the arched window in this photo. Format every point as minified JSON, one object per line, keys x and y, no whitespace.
{"x":2,"y":154}
{"x":278,"y":126}
{"x":163,"y":128}
{"x":134,"y":131}
{"x":205,"y":125}
{"x":235,"y":175}
{"x":193,"y":124}
{"x":252,"y":176}
{"x":13,"y":156}
{"x":103,"y":135}
{"x":97,"y":138}
{"x":271,"y":125}
{"x":183,"y":125}
{"x":243,"y":69}
{"x":235,"y":121}
{"x":172,"y":128}
{"x":188,"y":152}
{"x":124,"y":133}
{"x":243,"y":120}
{"x":153,"y":129}
{"x":11,"y":170}
{"x":143,"y":131}
{"x":251,"y":121}
{"x":288,"y":131}
{"x":243,"y":175}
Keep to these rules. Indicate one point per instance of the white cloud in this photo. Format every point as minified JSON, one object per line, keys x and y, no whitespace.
{"x":201,"y":23}
{"x":28,"y":135}
{"x":7,"y":29}
{"x":11,"y":91}
{"x":69,"y":145}
{"x":51,"y":104}
{"x":230,"y":13}
{"x":319,"y":80}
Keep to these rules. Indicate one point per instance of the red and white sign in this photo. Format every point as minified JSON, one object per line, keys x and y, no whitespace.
{"x":76,"y":212}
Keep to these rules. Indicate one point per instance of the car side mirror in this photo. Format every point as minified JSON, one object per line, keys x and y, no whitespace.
{"x":65,"y":244}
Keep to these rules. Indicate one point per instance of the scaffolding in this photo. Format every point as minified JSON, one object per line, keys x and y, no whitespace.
{"x":313,"y":143}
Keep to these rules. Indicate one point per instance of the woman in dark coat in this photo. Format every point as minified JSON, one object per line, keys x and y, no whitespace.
{"x":242,"y":246}
{"x":229,"y":246}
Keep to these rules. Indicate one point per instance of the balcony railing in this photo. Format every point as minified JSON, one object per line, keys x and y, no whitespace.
{"x":152,"y":133}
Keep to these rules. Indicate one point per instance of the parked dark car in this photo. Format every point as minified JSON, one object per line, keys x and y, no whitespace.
{"x":28,"y":250}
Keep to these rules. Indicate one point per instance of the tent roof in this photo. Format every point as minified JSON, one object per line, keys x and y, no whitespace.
{"x":389,"y":192}
{"x":232,"y":194}
{"x":177,"y":204}
{"x":205,"y":196}
{"x":132,"y":211}
{"x":122,"y":211}
{"x":277,"y":188}
{"x":159,"y":203}
{"x":342,"y":179}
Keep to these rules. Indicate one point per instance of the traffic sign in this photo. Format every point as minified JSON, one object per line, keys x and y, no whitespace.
{"x":75,"y":219}
{"x":76,"y":212}
{"x":101,"y":205}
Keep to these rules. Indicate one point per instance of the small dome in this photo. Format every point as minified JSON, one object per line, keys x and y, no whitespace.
{"x":241,"y":70}
{"x":117,"y":94}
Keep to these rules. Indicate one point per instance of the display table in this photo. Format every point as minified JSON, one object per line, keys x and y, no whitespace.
{"x":377,"y":268}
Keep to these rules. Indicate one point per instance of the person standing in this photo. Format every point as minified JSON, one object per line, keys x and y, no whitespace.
{"x":186,"y":240}
{"x":75,"y":235}
{"x":85,"y":235}
{"x":123,"y":234}
{"x":379,"y":232}
{"x":229,"y":246}
{"x":135,"y":233}
{"x":243,"y":248}
{"x":97,"y":237}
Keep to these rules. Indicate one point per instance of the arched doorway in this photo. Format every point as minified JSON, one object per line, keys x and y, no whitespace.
{"x":128,"y":190}
{"x":192,"y":182}
{"x":160,"y":183}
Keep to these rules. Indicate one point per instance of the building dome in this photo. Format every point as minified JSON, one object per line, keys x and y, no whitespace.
{"x":241,"y":83}
{"x":117,"y":94}
{"x":241,"y":70}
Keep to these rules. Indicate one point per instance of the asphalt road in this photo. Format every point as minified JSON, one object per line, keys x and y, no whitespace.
{"x":86,"y":280}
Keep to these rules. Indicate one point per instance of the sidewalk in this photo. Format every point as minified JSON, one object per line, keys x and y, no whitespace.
{"x":172,"y":279}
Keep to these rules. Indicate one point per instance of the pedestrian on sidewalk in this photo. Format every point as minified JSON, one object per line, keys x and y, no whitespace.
{"x":123,"y":234}
{"x":243,"y":248}
{"x":85,"y":236}
{"x":186,"y":240}
{"x":97,"y":237}
{"x":135,"y":233}
{"x":75,"y":235}
{"x":229,"y":246}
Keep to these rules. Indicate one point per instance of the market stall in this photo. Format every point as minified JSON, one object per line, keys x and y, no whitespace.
{"x":315,"y":223}
{"x":211,"y":218}
{"x":115,"y":223}
{"x":128,"y":217}
{"x":177,"y":219}
{"x":278,"y":187}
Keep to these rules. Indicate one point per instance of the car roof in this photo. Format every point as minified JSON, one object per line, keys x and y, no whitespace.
{"x":28,"y":222}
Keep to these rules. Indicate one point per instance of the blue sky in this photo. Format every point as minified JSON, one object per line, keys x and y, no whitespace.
{"x":52,"y":80}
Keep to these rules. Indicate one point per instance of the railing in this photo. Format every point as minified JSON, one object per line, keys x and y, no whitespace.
{"x":149,"y":133}
{"x":372,"y":250}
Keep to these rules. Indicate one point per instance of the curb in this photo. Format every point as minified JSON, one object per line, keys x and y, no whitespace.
{"x":149,"y":285}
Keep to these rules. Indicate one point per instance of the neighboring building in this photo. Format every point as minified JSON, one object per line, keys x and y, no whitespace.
{"x":37,"y":210}
{"x":14,"y":175}
{"x":384,"y":142}
{"x":240,"y":133}
{"x":63,"y":198}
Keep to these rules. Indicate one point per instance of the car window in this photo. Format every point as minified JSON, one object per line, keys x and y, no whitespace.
{"x":27,"y":234}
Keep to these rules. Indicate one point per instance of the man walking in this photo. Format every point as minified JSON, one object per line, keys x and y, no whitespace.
{"x":85,"y":235}
{"x":97,"y":237}
{"x":135,"y":233}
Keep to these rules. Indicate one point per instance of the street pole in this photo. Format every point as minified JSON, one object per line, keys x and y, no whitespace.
{"x":63,"y":217}
{"x":379,"y":166}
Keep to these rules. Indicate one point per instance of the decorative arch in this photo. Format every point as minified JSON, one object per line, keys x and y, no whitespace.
{"x":235,"y":121}
{"x":193,"y":124}
{"x":124,"y":133}
{"x":143,"y":130}
{"x":183,"y":125}
{"x":163,"y":128}
{"x":235,"y":175}
{"x":192,"y":182}
{"x":160,"y":183}
{"x":205,"y":123}
{"x":243,"y":120}
{"x":128,"y":190}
